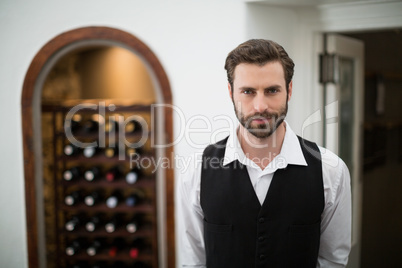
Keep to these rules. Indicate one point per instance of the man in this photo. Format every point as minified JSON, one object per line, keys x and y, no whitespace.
{"x":264,"y":197}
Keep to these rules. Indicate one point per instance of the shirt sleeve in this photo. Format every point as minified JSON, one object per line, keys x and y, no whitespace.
{"x":335,"y":243}
{"x":190,"y":219}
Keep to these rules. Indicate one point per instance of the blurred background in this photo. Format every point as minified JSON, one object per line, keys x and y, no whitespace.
{"x":134,"y":54}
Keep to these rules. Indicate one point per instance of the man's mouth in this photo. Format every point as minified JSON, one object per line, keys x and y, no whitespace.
{"x":261,"y":120}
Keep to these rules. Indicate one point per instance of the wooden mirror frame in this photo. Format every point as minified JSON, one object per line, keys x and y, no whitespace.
{"x":34,"y":70}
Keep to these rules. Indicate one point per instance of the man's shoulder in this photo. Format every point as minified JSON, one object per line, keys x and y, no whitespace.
{"x":310,"y":149}
{"x":331,"y":161}
{"x":217,"y":147}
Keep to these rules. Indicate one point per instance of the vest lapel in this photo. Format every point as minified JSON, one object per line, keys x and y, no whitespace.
{"x":243,"y":174}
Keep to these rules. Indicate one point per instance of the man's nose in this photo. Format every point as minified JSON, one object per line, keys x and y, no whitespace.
{"x":260,"y":103}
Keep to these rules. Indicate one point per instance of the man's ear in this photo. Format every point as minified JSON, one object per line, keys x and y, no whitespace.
{"x":230,"y":91}
{"x":290,"y":90}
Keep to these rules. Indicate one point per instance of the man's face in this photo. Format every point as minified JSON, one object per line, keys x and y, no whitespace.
{"x":260,"y":97}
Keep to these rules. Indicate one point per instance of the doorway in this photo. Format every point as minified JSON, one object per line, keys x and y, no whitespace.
{"x":381,"y":235}
{"x":381,"y":243}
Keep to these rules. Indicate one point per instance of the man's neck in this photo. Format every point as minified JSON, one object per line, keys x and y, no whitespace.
{"x":261,"y":151}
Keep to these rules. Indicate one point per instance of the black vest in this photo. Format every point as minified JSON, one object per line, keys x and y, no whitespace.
{"x":284,"y":231}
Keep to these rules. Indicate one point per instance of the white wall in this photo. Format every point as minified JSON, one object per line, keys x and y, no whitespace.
{"x":283,"y":25}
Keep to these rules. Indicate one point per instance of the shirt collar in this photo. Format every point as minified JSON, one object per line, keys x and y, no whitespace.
{"x":291,"y":152}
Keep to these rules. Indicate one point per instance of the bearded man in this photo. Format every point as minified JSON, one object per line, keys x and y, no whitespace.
{"x":275,"y":199}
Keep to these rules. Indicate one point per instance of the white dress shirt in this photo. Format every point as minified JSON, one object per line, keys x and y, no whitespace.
{"x":335,"y":242}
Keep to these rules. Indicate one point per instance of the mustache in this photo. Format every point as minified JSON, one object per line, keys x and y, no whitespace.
{"x":263,"y":115}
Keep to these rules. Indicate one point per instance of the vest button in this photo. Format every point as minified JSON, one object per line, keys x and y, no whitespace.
{"x":261,"y":220}
{"x":262,"y":256}
{"x":260,"y":239}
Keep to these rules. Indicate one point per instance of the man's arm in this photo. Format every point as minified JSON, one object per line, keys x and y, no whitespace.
{"x":335,"y":243}
{"x":190,"y":220}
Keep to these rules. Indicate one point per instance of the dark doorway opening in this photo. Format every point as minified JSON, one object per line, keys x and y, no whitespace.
{"x":381,"y":244}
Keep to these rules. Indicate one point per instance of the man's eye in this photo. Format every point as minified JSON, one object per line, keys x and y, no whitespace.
{"x":246,"y":91}
{"x":273,"y":91}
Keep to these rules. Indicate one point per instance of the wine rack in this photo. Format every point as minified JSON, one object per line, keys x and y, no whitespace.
{"x":104,"y":212}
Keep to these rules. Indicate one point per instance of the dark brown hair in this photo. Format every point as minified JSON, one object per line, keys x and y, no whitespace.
{"x":260,"y":52}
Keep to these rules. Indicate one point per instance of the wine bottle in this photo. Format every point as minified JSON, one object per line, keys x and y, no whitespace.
{"x":74,"y":247}
{"x":132,"y":200}
{"x":76,"y":123}
{"x":136,"y":247}
{"x":93,"y":124}
{"x":100,"y":264}
{"x":120,"y":264}
{"x":133,"y":126}
{"x":112,"y":125}
{"x":134,"y":224}
{"x":80,"y":264}
{"x":90,"y":151}
{"x":140,"y":264}
{"x":71,"y":174}
{"x":117,"y":245}
{"x":113,"y":174}
{"x":113,"y":223}
{"x":133,"y":176}
{"x":92,"y":174}
{"x":95,"y":247}
{"x":94,"y":222}
{"x":132,"y":152}
{"x":71,"y":149}
{"x":114,"y":199}
{"x":73,"y":222}
{"x":93,"y":198}
{"x":111,"y":151}
{"x":73,"y":198}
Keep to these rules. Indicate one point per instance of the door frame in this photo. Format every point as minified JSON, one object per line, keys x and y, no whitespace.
{"x":30,"y":105}
{"x":350,"y":48}
{"x":341,"y":19}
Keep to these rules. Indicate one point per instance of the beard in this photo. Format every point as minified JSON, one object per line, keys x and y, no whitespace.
{"x":271,"y":121}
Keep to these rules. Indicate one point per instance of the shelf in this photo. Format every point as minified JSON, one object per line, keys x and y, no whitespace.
{"x":120,"y":256}
{"x":88,"y":106}
{"x":392,"y":76}
{"x":100,"y":158}
{"x":95,"y":135}
{"x":146,"y":182}
{"x":145,"y":186}
{"x":101,"y":233}
{"x":385,"y":124}
{"x":147,"y":207}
